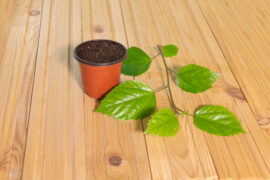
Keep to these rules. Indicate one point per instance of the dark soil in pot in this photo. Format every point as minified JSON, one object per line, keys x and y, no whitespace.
{"x":102,"y":52}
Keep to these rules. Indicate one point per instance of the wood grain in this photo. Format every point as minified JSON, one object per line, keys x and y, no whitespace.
{"x":245,"y":43}
{"x":49,"y":150}
{"x":18,"y":47}
{"x":198,"y":51}
{"x":64,"y":147}
{"x":121,"y":148}
{"x":176,"y":157}
{"x":211,"y":57}
{"x":79,"y":149}
{"x":48,"y":127}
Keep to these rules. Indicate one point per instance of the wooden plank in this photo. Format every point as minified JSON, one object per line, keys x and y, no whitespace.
{"x":79,"y":154}
{"x":244,"y":41}
{"x":49,"y":150}
{"x":37,"y":121}
{"x":94,"y":125}
{"x":20,"y":23}
{"x":247,"y":152}
{"x":67,"y":140}
{"x":58,"y":142}
{"x":245,"y":44}
{"x":175,"y":157}
{"x":6,"y":15}
{"x":108,"y":138}
{"x":181,"y":22}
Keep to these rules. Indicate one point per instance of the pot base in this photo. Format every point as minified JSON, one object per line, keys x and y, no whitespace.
{"x":99,"y":80}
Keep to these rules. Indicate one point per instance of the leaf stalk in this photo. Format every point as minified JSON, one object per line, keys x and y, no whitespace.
{"x":175,"y":109}
{"x":155,"y":56}
{"x":160,"y":89}
{"x":168,"y":79}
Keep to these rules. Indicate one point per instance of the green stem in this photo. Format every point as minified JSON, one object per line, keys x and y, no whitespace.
{"x":168,"y":79}
{"x":160,"y":89}
{"x":175,"y":109}
{"x":155,"y":56}
{"x":183,"y":112}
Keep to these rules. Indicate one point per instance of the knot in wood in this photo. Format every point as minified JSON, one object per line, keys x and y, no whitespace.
{"x":236,"y":93}
{"x":263,"y":121}
{"x":98,"y":29}
{"x":34,"y":13}
{"x":115,"y":160}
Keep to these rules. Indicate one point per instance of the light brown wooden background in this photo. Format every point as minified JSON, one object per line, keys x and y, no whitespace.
{"x":48,"y":129}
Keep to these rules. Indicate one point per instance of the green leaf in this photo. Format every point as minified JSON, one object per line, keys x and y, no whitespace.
{"x":194,"y":78}
{"x":136,"y":63}
{"x":130,"y":100}
{"x":217,"y":120}
{"x":163,"y":123}
{"x":170,"y":50}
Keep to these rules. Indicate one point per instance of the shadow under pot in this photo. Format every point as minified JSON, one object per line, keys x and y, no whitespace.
{"x":100,"y":64}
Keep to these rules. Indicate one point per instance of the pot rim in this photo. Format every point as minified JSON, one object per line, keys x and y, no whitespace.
{"x":99,"y":64}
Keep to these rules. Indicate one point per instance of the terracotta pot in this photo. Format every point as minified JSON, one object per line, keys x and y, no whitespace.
{"x":99,"y":78}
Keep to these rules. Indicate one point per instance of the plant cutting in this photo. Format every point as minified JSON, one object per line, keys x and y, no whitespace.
{"x":100,"y":64}
{"x":134,"y":100}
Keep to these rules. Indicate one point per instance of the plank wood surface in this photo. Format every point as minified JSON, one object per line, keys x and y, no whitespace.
{"x":48,"y":127}
{"x":20,"y":28}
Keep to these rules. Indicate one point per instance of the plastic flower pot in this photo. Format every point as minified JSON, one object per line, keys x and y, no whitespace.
{"x":100,"y":77}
